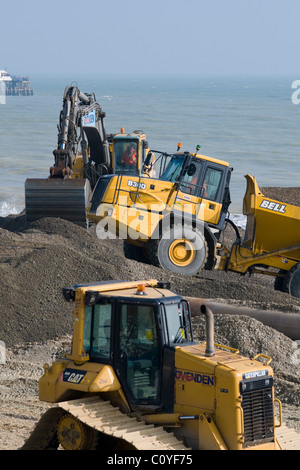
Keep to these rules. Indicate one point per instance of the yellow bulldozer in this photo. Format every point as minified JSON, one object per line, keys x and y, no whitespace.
{"x":136,"y":379}
{"x":84,"y":153}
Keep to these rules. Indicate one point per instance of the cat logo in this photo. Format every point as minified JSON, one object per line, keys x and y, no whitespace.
{"x":256,"y":374}
{"x":73,"y":376}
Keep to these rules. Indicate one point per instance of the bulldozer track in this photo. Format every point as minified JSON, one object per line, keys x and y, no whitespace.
{"x":44,"y":436}
{"x":102,"y":416}
{"x":106,"y":418}
{"x":288,"y":438}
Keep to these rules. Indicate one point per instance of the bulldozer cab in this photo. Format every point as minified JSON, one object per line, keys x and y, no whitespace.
{"x":133,"y":354}
{"x":129,"y":152}
{"x":129,"y":331}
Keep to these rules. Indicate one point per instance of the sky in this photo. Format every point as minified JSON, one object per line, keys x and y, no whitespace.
{"x":172,"y":38}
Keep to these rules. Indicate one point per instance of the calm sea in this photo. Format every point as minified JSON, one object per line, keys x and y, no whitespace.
{"x":252,"y":124}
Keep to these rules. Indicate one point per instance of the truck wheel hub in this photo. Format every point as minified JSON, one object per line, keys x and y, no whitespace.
{"x":182,"y":252}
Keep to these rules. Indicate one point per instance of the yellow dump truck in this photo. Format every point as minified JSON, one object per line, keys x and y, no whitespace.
{"x":172,"y":220}
{"x":176,"y":221}
{"x":271,"y":244}
{"x":136,"y":379}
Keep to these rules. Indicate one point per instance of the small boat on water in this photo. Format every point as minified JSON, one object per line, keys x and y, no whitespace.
{"x":5,"y":76}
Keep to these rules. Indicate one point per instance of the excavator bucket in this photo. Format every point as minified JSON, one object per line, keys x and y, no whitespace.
{"x":66,"y":199}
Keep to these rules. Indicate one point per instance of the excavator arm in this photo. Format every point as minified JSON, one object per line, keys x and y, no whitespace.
{"x":81,"y":117}
{"x":84,"y":152}
{"x":81,"y":156}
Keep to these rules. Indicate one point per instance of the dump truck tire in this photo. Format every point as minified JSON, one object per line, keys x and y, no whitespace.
{"x":280,"y":283}
{"x":136,"y":253}
{"x":180,"y":249}
{"x":292,"y":281}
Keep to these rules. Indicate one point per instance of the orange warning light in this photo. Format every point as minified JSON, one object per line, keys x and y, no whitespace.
{"x":141,"y":289}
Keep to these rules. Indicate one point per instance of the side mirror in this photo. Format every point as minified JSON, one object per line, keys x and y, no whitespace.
{"x":148,"y":159}
{"x":191,"y":169}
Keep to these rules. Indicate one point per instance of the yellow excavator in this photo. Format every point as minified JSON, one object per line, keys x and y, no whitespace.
{"x":136,"y":379}
{"x":84,"y":153}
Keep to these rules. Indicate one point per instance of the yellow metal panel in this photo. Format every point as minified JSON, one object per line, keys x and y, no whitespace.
{"x":209,"y":435}
{"x":211,"y":159}
{"x":78,"y":352}
{"x":106,"y":381}
{"x":120,"y":286}
{"x":275,"y":225}
{"x":52,"y":386}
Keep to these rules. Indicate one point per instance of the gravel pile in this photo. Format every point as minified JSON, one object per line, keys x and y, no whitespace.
{"x":36,"y":262}
{"x":285,"y":195}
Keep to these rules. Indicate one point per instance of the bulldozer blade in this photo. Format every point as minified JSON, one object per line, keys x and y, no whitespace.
{"x":65,"y":199}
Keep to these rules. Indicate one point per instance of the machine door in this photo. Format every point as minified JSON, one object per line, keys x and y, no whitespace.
{"x":137,"y":354}
{"x":97,"y":332}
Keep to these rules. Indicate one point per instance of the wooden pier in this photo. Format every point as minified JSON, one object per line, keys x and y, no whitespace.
{"x":18,"y":87}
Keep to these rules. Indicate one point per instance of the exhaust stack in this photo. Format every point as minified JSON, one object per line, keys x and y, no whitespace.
{"x":210,"y":343}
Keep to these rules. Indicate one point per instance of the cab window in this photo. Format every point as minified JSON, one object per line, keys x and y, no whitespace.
{"x":190,"y":182}
{"x":140,"y":350}
{"x":173,"y":168}
{"x":178,"y":328}
{"x":97,"y":329}
{"x":126,"y":157}
{"x":212,"y":180}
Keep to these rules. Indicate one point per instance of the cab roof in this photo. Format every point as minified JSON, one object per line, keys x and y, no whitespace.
{"x":210,"y":159}
{"x":132,"y":289}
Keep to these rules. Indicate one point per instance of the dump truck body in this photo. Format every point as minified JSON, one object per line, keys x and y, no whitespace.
{"x":271,"y":225}
{"x":271,"y":244}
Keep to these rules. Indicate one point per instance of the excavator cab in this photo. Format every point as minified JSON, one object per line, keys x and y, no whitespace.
{"x":129,"y":152}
